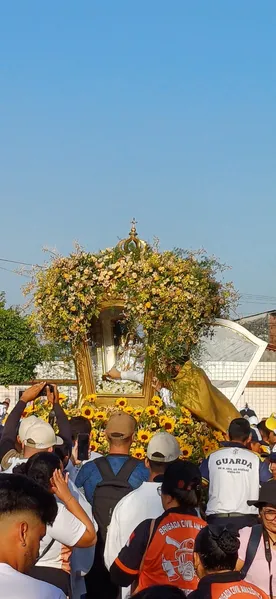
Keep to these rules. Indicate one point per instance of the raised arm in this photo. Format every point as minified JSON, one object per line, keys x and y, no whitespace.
{"x":9,"y":434}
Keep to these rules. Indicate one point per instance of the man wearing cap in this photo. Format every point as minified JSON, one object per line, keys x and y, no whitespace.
{"x":144,"y":502}
{"x":119,"y":431}
{"x":270,"y":424}
{"x":34,"y":434}
{"x":258,"y":563}
{"x":234,"y":474}
{"x":38,"y":437}
{"x":11,"y":444}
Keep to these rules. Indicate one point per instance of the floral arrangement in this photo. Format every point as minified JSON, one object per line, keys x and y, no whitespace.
{"x":196,"y":438}
{"x":175,"y":296}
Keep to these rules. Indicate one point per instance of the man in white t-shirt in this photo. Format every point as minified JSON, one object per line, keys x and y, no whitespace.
{"x":234,"y":474}
{"x":25,"y":511}
{"x":144,"y":502}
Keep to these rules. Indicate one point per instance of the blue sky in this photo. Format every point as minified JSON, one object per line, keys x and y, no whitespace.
{"x":160,"y":110}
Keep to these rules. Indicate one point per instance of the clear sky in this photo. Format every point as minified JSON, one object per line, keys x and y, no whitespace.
{"x":162,"y":110}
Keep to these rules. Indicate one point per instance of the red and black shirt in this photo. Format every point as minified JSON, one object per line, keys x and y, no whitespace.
{"x":225,"y":585}
{"x":165,"y":554}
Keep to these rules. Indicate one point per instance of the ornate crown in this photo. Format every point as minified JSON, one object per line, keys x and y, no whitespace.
{"x":132,"y":242}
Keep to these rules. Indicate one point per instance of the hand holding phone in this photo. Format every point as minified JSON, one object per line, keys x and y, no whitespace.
{"x":83,"y":446}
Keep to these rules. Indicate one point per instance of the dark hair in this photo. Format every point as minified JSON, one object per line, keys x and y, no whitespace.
{"x":182,"y":481}
{"x":217,"y":548}
{"x":239,"y":430}
{"x":158,"y":467}
{"x":63,"y":451}
{"x":165,"y":591}
{"x":18,"y":494}
{"x":262,"y":428}
{"x":40,"y":468}
{"x":79,"y":424}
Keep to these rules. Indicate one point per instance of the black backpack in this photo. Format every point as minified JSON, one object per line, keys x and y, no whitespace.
{"x":111,"y":489}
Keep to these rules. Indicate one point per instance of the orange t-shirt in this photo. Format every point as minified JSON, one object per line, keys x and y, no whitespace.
{"x":227,"y":585}
{"x":169,"y":557}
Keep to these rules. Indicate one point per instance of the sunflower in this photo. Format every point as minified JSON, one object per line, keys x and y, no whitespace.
{"x":157,"y":401}
{"x":91,"y":397}
{"x":94,"y":446}
{"x":151,"y":411}
{"x":185,"y":412}
{"x":143,"y":436}
{"x":187,"y":450}
{"x":185,"y":420}
{"x":87,"y":412}
{"x":121,"y":402}
{"x":137,"y":413}
{"x":167,"y":423}
{"x":62,"y":396}
{"x":101,"y":415}
{"x":94,"y":434}
{"x":128,"y":410}
{"x":218,"y":436}
{"x":206,"y":447}
{"x":138,"y":453}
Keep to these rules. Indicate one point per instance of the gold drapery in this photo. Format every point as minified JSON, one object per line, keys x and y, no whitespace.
{"x":193,"y":389}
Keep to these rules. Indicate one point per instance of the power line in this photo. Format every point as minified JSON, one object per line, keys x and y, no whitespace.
{"x":18,"y":262}
{"x":21,"y":274}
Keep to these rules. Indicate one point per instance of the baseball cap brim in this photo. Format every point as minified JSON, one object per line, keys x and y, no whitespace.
{"x":254,"y":502}
{"x":59,"y":440}
{"x":271,"y":424}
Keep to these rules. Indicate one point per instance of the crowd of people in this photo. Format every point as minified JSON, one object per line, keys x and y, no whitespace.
{"x":111,"y":527}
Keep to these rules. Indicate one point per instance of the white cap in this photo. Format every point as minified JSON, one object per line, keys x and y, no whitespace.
{"x":41,"y":436}
{"x":25,"y":424}
{"x":163,"y":447}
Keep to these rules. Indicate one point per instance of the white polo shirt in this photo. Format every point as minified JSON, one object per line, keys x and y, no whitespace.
{"x":234,"y":474}
{"x":13,"y":585}
{"x":139,"y":505}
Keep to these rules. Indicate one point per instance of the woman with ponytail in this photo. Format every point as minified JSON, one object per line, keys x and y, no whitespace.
{"x":215,"y":558}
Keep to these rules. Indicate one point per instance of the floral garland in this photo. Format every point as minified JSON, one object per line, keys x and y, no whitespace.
{"x":175,"y":296}
{"x":196,"y":439}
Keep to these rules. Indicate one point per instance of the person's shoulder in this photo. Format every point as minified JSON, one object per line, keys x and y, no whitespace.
{"x":141,"y":466}
{"x":128,"y":499}
{"x":244,"y":534}
{"x":35,"y":588}
{"x":86,"y":469}
{"x":45,"y":590}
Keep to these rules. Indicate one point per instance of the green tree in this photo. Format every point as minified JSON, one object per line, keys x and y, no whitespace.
{"x":20,"y":350}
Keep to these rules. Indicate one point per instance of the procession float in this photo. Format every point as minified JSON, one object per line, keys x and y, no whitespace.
{"x":143,"y":325}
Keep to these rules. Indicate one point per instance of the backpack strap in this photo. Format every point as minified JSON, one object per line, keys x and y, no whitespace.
{"x":104,"y":468}
{"x":134,"y":586}
{"x":124,"y":473}
{"x":127,"y":468}
{"x":253,"y":544}
{"x":45,"y":551}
